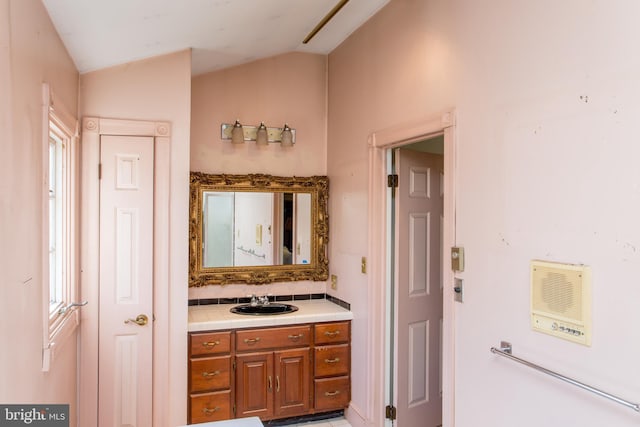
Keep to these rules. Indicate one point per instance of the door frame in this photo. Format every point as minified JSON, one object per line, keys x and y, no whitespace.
{"x":379,"y":142}
{"x":92,"y":129}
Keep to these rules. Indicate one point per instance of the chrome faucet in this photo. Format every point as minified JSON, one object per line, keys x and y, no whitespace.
{"x":261,"y":300}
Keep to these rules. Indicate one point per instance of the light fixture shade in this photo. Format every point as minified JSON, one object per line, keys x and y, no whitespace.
{"x":237,"y":133}
{"x":286,"y":138}
{"x":262,"y":137}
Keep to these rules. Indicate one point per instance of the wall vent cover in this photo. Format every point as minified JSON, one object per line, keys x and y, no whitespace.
{"x":561,"y":300}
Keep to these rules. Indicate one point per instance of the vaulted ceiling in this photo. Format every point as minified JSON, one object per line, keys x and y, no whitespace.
{"x":222,"y":33}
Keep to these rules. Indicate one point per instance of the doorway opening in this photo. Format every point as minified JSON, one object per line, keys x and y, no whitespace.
{"x":414,"y":292}
{"x":382,"y":330}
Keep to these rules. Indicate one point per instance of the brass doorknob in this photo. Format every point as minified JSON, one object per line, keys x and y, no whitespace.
{"x":141,"y":320}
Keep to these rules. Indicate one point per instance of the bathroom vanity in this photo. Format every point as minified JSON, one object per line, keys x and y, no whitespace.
{"x":268,"y":366}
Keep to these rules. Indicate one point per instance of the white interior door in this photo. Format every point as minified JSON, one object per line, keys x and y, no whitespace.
{"x":419,"y":288}
{"x":126,"y":281}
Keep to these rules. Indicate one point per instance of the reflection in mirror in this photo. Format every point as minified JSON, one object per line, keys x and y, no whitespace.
{"x":256,"y":228}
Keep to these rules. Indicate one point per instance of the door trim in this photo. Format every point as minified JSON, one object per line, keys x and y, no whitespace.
{"x":92,"y":129}
{"x":379,"y":142}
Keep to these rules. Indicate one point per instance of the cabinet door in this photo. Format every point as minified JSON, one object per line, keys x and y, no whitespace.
{"x":254,"y":385}
{"x":292,"y":382}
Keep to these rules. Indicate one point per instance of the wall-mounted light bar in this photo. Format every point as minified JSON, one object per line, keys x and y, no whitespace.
{"x":261,"y":134}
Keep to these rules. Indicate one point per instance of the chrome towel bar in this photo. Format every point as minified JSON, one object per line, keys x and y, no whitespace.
{"x":505,"y":351}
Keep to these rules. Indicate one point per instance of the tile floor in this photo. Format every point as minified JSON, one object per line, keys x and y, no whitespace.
{"x":331,"y":422}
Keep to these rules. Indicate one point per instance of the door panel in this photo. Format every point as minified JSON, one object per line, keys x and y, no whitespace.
{"x":419,"y":304}
{"x":292,"y":382}
{"x":254,"y":385}
{"x":126,"y":281}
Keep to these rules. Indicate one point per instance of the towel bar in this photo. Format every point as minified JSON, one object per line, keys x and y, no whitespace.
{"x":505,"y":351}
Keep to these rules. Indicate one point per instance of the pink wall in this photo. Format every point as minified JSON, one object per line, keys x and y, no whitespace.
{"x":393,"y":70}
{"x":30,"y":53}
{"x":158,"y":88}
{"x":547,"y":104}
{"x":288,"y":88}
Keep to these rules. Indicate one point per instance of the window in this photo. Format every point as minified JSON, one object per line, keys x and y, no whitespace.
{"x":60,"y":222}
{"x":60,"y":247}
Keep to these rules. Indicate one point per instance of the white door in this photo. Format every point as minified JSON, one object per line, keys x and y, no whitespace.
{"x":126,"y":282}
{"x":419,"y":288}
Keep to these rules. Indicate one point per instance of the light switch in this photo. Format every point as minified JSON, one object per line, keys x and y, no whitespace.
{"x":457,"y":258}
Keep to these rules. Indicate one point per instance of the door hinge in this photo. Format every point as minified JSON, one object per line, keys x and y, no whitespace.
{"x":234,"y":409}
{"x":392,"y":181}
{"x":234,"y":364}
{"x":390,"y":412}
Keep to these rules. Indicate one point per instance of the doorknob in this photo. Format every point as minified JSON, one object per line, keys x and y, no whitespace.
{"x":141,"y":320}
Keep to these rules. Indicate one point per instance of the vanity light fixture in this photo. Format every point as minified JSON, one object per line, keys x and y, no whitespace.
{"x":262,"y":135}
{"x":237,"y":133}
{"x":286,"y":137}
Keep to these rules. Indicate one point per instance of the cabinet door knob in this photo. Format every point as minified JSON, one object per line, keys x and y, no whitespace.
{"x":278,"y":383}
{"x":269,"y":383}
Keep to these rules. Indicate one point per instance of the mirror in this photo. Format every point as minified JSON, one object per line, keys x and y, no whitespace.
{"x":257,"y":229}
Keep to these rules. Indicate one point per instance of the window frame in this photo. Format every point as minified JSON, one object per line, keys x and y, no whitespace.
{"x":60,"y":134}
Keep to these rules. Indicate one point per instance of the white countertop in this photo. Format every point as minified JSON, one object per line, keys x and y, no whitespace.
{"x":217,"y":316}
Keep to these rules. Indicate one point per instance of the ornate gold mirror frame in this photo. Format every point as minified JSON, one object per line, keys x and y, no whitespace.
{"x":317,"y":269}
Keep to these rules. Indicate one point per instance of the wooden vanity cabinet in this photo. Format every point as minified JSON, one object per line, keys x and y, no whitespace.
{"x":210,"y":377}
{"x":272,"y":372}
{"x":273,"y":383}
{"x":332,"y":366}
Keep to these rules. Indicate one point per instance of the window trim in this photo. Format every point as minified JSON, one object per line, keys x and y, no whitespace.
{"x":59,"y":324}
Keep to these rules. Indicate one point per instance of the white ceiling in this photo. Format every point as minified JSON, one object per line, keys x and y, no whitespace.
{"x":222,"y":33}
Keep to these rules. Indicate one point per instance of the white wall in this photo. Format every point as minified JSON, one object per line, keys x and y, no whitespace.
{"x":547,"y":99}
{"x":30,"y":53}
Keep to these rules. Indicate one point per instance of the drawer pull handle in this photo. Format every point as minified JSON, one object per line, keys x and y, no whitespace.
{"x":331,"y":393}
{"x":210,"y":374}
{"x":332,"y":334}
{"x":251,"y":340}
{"x":296,"y":337}
{"x":336,"y":360}
{"x":210,"y":411}
{"x":210,"y":343}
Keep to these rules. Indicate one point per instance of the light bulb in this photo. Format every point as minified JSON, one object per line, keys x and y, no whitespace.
{"x":286,"y":138}
{"x":237,"y":133}
{"x":262,"y":137}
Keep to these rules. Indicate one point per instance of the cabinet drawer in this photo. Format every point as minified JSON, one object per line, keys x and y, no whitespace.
{"x":210,"y":407}
{"x":332,"y":360}
{"x":331,"y":393}
{"x":331,"y":333}
{"x":210,"y":343}
{"x":211,"y":373}
{"x":261,"y":339}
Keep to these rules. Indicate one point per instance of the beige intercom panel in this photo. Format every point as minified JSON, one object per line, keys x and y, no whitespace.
{"x":561,"y":300}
